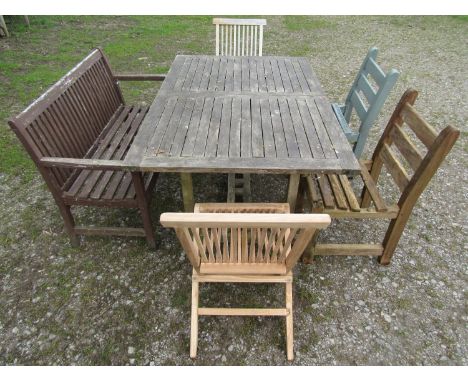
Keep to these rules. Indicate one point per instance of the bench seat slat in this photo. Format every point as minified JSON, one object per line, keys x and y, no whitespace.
{"x":108,"y":185}
{"x":102,"y":141}
{"x":117,"y":148}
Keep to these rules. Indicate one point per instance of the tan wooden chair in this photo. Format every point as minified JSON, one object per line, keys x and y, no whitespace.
{"x":410,"y":169}
{"x":254,"y":243}
{"x":239,"y":37}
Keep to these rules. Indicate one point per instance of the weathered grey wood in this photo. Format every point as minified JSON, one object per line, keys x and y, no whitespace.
{"x":193,"y":128}
{"x":257,"y":137}
{"x":299,"y":129}
{"x":267,"y":129}
{"x":235,"y":128}
{"x":179,"y":139}
{"x":290,"y":135}
{"x":213,"y":132}
{"x":224,"y":129}
{"x":140,"y":77}
{"x":222,"y":114}
{"x":278,"y":131}
{"x":243,"y":165}
{"x":200,"y":141}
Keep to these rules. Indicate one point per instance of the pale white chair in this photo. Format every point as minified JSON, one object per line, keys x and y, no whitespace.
{"x":239,"y":37}
{"x":243,"y":242}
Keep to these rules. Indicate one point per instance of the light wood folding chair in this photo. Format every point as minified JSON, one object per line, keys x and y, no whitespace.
{"x":239,"y":37}
{"x":246,"y":243}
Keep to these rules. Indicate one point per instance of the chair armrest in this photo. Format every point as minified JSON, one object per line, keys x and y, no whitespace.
{"x":88,"y":164}
{"x":140,"y":77}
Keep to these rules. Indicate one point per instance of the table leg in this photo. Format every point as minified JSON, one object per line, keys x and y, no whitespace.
{"x":187,"y":191}
{"x":293,"y":189}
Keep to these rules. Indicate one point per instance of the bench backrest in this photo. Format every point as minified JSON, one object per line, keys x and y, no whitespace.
{"x":239,"y":37}
{"x":67,"y":119}
{"x":411,"y":165}
{"x":251,"y":240}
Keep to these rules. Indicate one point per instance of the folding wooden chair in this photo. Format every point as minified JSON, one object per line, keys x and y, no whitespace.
{"x":254,"y":243}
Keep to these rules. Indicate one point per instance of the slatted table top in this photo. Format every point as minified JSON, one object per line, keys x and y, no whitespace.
{"x":242,"y":115}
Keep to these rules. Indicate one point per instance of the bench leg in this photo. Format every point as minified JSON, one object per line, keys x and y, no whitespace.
{"x":143,"y":205}
{"x":69,"y":221}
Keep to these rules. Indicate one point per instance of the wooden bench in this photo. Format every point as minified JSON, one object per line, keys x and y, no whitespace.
{"x":410,"y":168}
{"x":78,"y":133}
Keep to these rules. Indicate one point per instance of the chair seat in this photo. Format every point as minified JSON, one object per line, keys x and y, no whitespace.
{"x":242,"y":269}
{"x":105,"y":187}
{"x":333,"y":194}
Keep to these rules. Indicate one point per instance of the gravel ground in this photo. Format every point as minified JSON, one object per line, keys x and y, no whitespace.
{"x":114,"y":301}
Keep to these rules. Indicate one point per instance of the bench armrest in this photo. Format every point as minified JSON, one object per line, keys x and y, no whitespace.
{"x":140,"y":77}
{"x":88,"y":164}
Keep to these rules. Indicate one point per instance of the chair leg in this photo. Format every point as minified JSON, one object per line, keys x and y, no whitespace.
{"x":289,"y":322}
{"x":194,"y":320}
{"x":231,"y":194}
{"x":69,"y":221}
{"x":309,"y":252}
{"x":143,"y":205}
{"x":392,"y":237}
{"x":239,"y":186}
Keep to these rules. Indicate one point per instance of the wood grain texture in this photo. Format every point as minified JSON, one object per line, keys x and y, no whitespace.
{"x":244,"y":115}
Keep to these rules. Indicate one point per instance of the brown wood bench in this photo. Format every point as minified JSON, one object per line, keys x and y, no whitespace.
{"x":78,"y":133}
{"x":410,"y":168}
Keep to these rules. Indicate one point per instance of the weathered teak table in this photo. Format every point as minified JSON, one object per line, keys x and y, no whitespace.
{"x":241,"y":115}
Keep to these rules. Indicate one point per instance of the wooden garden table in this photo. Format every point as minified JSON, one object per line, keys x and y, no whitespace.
{"x":241,"y":115}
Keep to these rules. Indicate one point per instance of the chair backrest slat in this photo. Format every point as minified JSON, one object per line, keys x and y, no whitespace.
{"x":239,"y":37}
{"x":420,"y":127}
{"x":237,"y":238}
{"x":375,"y":71}
{"x":375,"y":96}
{"x":394,"y":166}
{"x":69,"y":117}
{"x":358,"y":105}
{"x":367,"y":89}
{"x":395,"y":140}
{"x":408,"y":149}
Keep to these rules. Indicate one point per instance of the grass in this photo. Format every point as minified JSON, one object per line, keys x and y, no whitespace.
{"x":307,"y":23}
{"x":33,"y":59}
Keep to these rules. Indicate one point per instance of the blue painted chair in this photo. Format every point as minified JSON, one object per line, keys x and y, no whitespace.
{"x":365,"y":100}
